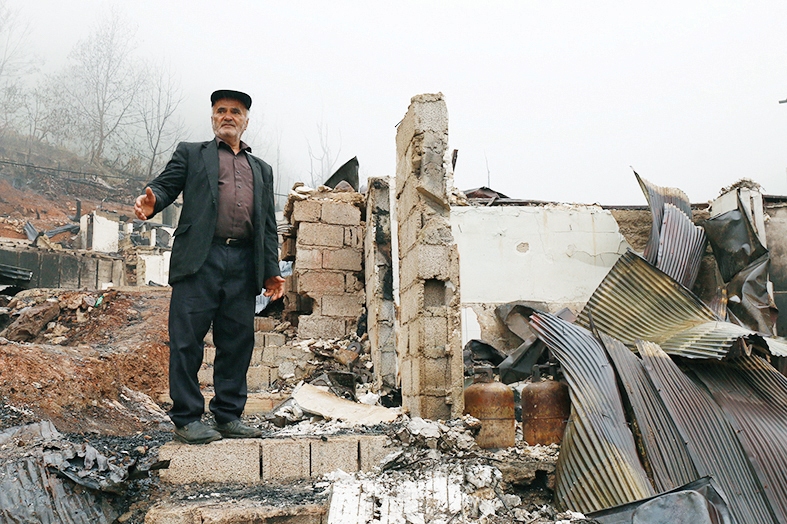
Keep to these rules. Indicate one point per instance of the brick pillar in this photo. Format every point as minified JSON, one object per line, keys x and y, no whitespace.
{"x":429,"y":339}
{"x":379,"y":282}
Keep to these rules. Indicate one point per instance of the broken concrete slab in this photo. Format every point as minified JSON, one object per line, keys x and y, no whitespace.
{"x":234,"y":512}
{"x":319,"y":402}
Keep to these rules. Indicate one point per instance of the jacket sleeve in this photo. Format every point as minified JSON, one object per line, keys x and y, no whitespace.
{"x":169,"y":184}
{"x":271,"y":254}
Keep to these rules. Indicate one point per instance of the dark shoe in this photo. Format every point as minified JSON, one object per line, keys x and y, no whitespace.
{"x":237,"y":429}
{"x":196,"y":433}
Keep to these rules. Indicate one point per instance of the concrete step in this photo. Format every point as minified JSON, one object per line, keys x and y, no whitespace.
{"x":251,"y":461}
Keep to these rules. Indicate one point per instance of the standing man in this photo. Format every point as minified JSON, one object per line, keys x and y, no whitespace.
{"x":225,"y":251}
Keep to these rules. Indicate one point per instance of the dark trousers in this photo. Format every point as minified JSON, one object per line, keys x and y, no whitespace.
{"x":221,"y":293}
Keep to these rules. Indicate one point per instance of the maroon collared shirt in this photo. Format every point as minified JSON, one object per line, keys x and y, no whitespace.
{"x":236,"y":193}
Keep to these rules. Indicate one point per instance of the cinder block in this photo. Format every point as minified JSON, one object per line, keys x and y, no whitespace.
{"x":258,"y":378}
{"x":275,"y":339}
{"x":353,"y":237}
{"x":348,"y":259}
{"x":342,"y":305}
{"x":285,"y":459}
{"x":275,"y":355}
{"x":435,"y":338}
{"x":289,"y":248}
{"x":315,"y":283}
{"x":256,"y":356}
{"x":340,"y":213}
{"x":372,"y":449}
{"x":230,"y":460}
{"x":306,"y":211}
{"x":259,"y":339}
{"x":408,"y":231}
{"x":433,"y":261}
{"x":315,"y":326}
{"x":337,"y":452}
{"x":265,"y":323}
{"x":205,"y":375}
{"x":435,"y":375}
{"x":326,"y":235}
{"x":352,"y":284}
{"x":308,"y":259}
{"x":209,"y":355}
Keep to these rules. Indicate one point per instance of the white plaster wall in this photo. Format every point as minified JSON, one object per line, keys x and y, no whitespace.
{"x":556,"y":254}
{"x":105,"y":234}
{"x":156,"y":268}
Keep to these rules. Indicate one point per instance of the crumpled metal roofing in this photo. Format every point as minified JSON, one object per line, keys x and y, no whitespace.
{"x":666,"y":457}
{"x":711,"y":440}
{"x":657,"y":197}
{"x":753,"y":395}
{"x":681,"y":246}
{"x":637,"y":301}
{"x":598,"y":465}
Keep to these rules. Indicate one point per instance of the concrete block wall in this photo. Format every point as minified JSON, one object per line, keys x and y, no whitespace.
{"x":326,"y":289}
{"x":429,"y":343}
{"x":251,"y":461}
{"x":272,"y":358}
{"x":380,"y":306}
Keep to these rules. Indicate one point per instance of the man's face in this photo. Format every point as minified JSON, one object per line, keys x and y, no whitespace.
{"x":229,"y":120}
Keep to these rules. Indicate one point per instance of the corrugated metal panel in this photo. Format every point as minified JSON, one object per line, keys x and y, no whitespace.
{"x":667,"y":458}
{"x":598,"y":465}
{"x":657,"y":197}
{"x":637,"y":301}
{"x":777,"y":346}
{"x":711,"y":441}
{"x":681,"y":246}
{"x":754,"y":396}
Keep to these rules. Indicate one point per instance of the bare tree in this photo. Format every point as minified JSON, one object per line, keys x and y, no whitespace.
{"x":322,"y":162}
{"x":15,"y":62}
{"x":102,"y":85}
{"x":157,"y":106}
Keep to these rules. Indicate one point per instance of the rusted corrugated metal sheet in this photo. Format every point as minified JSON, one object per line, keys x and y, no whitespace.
{"x":666,"y":457}
{"x":637,"y":301}
{"x":711,"y":441}
{"x":598,"y":465}
{"x":681,"y":246}
{"x":754,"y":396}
{"x":657,"y":197}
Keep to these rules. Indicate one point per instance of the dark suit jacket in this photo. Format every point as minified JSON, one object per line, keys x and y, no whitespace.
{"x":194,"y":171}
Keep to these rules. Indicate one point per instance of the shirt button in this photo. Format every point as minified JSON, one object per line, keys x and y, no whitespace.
{"x":238,"y":204}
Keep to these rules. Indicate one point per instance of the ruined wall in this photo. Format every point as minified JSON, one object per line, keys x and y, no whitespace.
{"x":326,"y":290}
{"x":65,"y":269}
{"x":381,"y":311}
{"x":429,"y":339}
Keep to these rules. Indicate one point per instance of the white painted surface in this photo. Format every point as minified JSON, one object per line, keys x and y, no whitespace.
{"x":471,"y":328}
{"x":156,"y":269}
{"x":105,"y":234}
{"x":555,"y":254}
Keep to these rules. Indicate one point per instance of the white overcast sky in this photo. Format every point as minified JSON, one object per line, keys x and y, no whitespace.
{"x":549,"y":100}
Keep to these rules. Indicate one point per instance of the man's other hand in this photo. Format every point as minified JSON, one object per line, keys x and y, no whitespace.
{"x":274,"y":288}
{"x":144,"y":205}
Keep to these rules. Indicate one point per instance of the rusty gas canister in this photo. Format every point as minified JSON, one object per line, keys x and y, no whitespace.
{"x":546,"y":406}
{"x":493,"y":404}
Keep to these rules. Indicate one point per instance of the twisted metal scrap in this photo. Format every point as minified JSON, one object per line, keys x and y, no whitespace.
{"x":665,"y":453}
{"x":711,"y":441}
{"x":636,"y":301}
{"x":753,"y":395}
{"x":598,"y":465}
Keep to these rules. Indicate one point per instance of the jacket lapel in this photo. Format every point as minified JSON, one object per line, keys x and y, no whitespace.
{"x":210,"y":155}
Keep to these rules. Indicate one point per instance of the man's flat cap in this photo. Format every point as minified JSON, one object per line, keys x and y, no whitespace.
{"x":243,"y":98}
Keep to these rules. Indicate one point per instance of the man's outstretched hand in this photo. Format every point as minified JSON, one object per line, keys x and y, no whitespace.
{"x":144,"y":205}
{"x":274,"y":288}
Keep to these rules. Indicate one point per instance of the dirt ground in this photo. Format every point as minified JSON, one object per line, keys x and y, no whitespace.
{"x":121,"y":343}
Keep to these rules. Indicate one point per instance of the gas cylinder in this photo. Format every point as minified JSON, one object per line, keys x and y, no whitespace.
{"x":546,"y":407}
{"x":493,"y":404}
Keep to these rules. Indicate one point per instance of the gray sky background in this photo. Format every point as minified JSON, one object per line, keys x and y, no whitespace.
{"x":547,"y":100}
